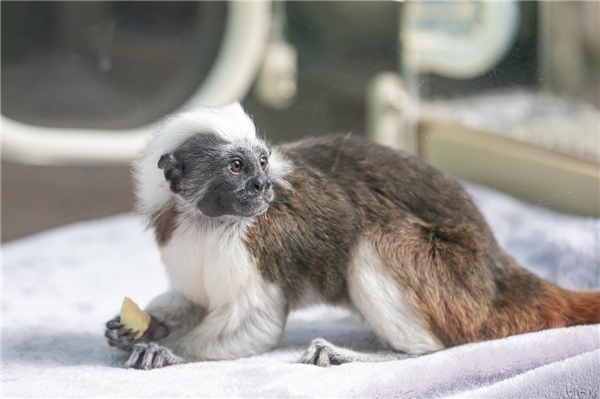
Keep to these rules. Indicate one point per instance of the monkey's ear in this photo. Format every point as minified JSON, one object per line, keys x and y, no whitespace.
{"x":173,"y":171}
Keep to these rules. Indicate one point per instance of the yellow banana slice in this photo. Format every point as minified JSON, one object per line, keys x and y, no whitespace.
{"x":134,"y":318}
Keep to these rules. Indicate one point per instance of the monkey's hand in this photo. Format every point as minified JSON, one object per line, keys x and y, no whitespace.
{"x":124,"y":338}
{"x":150,"y":355}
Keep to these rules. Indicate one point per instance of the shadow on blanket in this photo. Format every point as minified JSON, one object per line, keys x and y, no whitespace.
{"x":59,"y":349}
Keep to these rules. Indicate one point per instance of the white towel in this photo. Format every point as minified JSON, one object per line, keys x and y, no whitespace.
{"x":60,"y":286}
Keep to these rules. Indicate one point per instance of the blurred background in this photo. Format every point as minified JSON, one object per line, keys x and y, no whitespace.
{"x":504,"y":94}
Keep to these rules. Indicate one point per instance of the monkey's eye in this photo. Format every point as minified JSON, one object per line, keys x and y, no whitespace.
{"x":264,"y":161}
{"x":235,"y":166}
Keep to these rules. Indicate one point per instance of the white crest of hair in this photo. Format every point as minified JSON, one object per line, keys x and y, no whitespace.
{"x":230,"y":122}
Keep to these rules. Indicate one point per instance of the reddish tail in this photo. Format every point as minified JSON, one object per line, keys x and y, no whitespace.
{"x":585,"y":308}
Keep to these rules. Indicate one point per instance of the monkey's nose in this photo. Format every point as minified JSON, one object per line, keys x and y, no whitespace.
{"x":258,"y":184}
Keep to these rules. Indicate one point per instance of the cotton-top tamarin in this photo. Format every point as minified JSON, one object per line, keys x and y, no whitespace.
{"x":248,"y":232}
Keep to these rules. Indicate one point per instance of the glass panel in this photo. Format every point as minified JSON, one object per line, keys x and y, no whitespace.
{"x":542,"y":89}
{"x":341,"y":46}
{"x":525,"y":119}
{"x":111,"y":65}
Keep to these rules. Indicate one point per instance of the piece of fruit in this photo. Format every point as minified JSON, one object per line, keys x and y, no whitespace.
{"x":134,"y":318}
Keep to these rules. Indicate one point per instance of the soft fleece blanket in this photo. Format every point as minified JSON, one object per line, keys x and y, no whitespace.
{"x":59,"y":287}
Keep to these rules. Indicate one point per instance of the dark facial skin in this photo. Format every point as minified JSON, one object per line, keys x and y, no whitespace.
{"x":220,"y":178}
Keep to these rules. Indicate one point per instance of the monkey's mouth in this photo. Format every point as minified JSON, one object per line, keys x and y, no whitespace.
{"x":260,"y":200}
{"x":254,"y":205}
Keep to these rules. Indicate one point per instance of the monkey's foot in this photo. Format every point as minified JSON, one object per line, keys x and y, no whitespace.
{"x":150,"y":355}
{"x":324,"y":354}
{"x":119,"y":336}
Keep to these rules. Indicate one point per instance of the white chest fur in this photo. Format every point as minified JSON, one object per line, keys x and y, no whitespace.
{"x":209,"y":264}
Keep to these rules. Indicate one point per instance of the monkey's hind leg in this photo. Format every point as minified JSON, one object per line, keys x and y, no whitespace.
{"x":385,"y":306}
{"x":324,"y":354}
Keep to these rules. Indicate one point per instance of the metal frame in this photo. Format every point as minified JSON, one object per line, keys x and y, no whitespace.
{"x":230,"y":79}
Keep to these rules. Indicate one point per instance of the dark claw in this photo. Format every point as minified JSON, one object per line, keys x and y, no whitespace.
{"x":114,"y":324}
{"x":126,"y":332}
{"x":117,"y":336}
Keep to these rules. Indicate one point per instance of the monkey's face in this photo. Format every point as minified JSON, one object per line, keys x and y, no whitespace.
{"x":220,"y":178}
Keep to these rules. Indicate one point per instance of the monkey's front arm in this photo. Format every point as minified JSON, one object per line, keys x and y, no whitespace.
{"x":181,"y":330}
